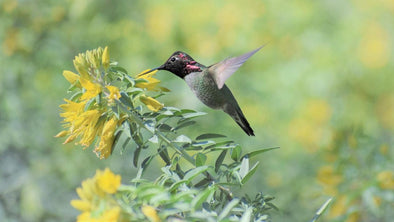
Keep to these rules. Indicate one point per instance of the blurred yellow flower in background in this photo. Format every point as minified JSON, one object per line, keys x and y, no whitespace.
{"x":374,"y":47}
{"x":108,"y":181}
{"x":329,"y":179}
{"x":386,"y":180}
{"x":339,"y":207}
{"x":96,"y":202}
{"x":309,"y":127}
{"x":151,"y":213}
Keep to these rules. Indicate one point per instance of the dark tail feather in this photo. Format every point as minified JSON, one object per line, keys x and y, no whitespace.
{"x":244,"y":124}
{"x":235,"y":112}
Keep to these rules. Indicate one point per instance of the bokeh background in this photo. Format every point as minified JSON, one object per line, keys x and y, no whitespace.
{"x":322,"y":89}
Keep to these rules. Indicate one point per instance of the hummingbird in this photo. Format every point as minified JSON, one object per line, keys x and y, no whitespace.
{"x":207,"y":82}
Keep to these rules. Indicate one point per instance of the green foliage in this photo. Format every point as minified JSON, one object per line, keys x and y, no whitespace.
{"x":324,"y":77}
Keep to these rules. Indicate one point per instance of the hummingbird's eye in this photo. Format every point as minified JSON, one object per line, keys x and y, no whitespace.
{"x":172,"y":59}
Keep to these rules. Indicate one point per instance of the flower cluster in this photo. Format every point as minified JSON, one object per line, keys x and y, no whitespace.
{"x":96,"y":198}
{"x":93,"y":111}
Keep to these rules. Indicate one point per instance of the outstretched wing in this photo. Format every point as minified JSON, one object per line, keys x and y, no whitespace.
{"x":223,"y":70}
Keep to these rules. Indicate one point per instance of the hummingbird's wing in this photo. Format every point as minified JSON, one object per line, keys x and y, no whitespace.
{"x":223,"y":70}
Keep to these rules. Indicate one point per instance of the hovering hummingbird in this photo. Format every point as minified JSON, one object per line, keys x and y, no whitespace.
{"x":207,"y":82}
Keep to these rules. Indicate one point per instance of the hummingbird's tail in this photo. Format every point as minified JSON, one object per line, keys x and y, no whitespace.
{"x":238,"y":116}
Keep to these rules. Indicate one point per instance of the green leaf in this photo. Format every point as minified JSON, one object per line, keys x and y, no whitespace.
{"x":222,"y":145}
{"x":200,"y":159}
{"x":192,"y":115}
{"x":202,"y":197}
{"x":154,"y":139}
{"x":125,"y":99}
{"x":236,"y":153}
{"x":119,"y":69}
{"x":116,"y":139}
{"x":244,"y":169}
{"x":203,"y":143}
{"x":127,"y":140}
{"x":256,"y":152}
{"x":189,"y":176}
{"x":184,"y":124}
{"x":164,"y":127}
{"x":75,"y":96}
{"x":209,"y":136}
{"x":321,"y":210}
{"x":163,"y":153}
{"x":226,"y":210}
{"x":136,"y":156}
{"x":150,"y":125}
{"x":182,"y":139}
{"x":249,"y":174}
{"x":219,"y":160}
{"x":247,"y":215}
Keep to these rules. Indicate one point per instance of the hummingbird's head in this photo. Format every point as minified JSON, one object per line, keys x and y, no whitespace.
{"x":180,"y":64}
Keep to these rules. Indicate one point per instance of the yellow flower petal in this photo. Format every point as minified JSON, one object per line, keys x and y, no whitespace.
{"x":70,"y":76}
{"x":114,"y":93}
{"x":108,"y":181}
{"x":105,"y":58}
{"x":81,"y":205}
{"x":111,"y":215}
{"x":151,"y":103}
{"x":92,"y":89}
{"x":62,"y":133}
{"x":150,"y":213}
{"x":81,"y":65}
{"x":143,"y":75}
{"x":150,"y":85}
{"x":104,"y":149}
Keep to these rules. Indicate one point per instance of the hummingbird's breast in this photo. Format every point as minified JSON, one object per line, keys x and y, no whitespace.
{"x":204,"y":87}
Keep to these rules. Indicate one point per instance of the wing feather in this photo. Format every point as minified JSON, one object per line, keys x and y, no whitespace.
{"x":223,"y":70}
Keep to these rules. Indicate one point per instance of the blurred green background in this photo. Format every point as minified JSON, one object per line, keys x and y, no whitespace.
{"x":322,"y":89}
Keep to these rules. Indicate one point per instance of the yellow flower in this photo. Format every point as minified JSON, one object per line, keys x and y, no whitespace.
{"x":151,"y":103}
{"x":114,"y":93}
{"x":94,"y":57}
{"x":105,"y":58}
{"x":152,"y":82}
{"x":150,"y":213}
{"x":81,"y":65}
{"x":70,"y":77}
{"x":386,"y":180}
{"x":339,"y":207}
{"x":86,"y":194}
{"x":111,"y":215}
{"x":94,"y":128}
{"x":94,"y":202}
{"x":80,"y":123}
{"x":92,"y":89}
{"x":104,"y":149}
{"x":327,"y":176}
{"x":108,"y":181}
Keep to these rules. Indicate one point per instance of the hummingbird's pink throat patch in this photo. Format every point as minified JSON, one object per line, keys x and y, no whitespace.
{"x":190,"y":67}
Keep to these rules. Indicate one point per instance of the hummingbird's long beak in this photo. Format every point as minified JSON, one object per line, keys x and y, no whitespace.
{"x":151,"y":70}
